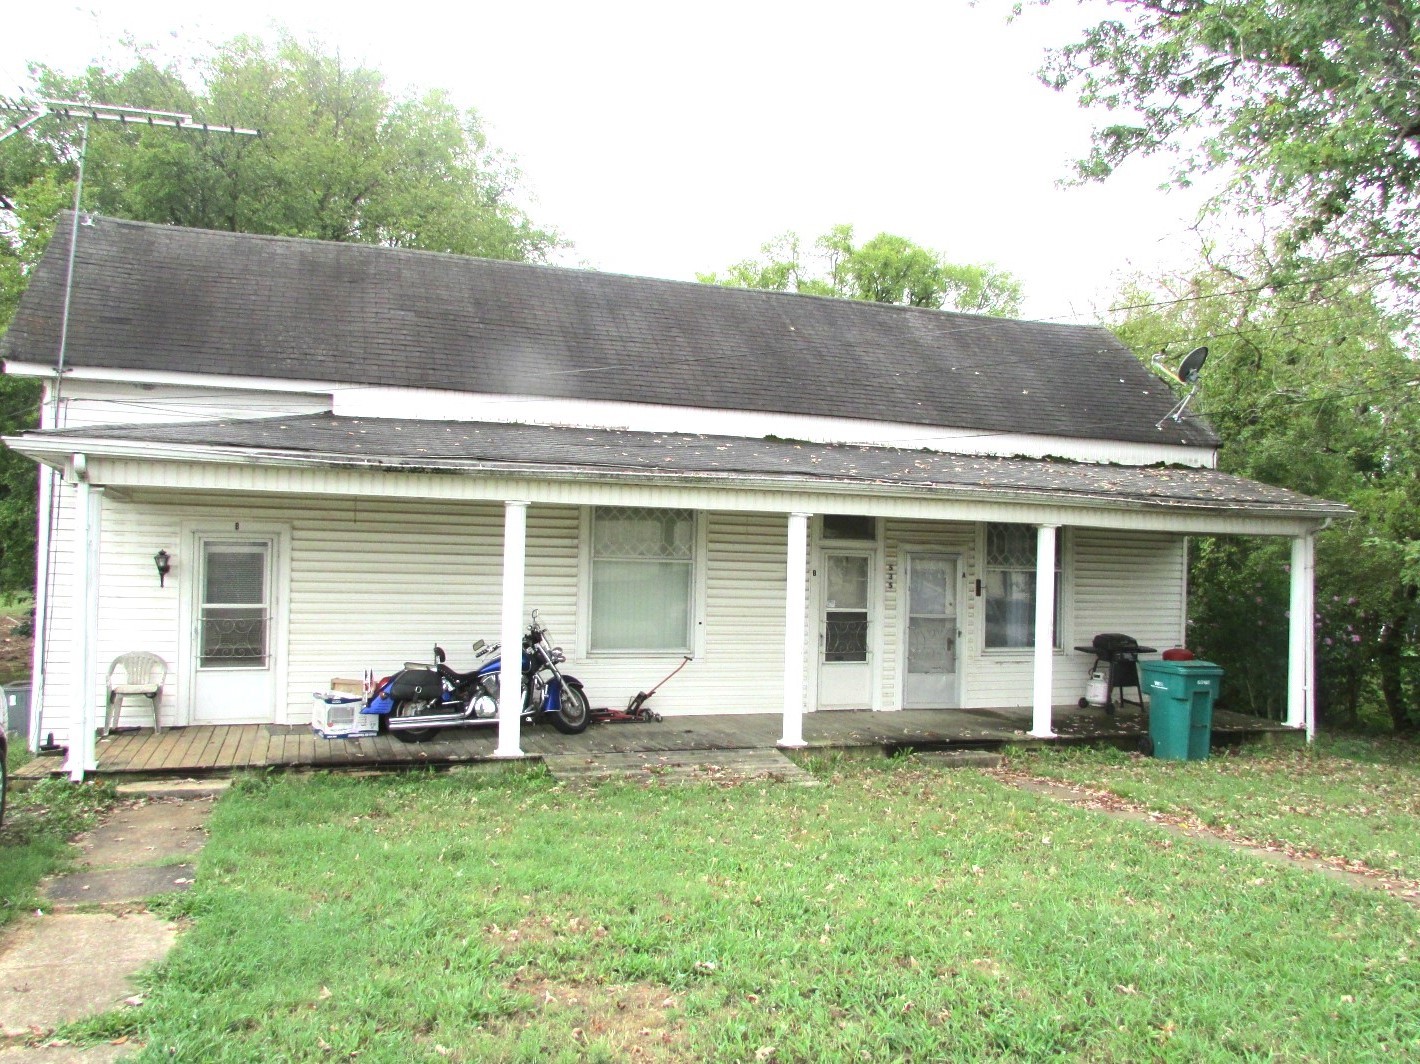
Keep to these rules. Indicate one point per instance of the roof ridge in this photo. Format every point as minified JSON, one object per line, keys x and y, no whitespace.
{"x":358,"y":247}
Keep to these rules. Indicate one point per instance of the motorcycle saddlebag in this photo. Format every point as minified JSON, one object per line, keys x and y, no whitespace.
{"x":417,"y":685}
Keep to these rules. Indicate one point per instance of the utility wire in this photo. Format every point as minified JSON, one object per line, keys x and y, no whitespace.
{"x":1272,"y":286}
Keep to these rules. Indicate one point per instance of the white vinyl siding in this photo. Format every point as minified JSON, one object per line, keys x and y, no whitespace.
{"x":376,"y":578}
{"x":374,"y":583}
{"x":1131,"y":582}
{"x":86,"y":403}
{"x":123,"y":578}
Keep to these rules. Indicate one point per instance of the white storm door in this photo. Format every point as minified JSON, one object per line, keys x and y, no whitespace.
{"x":845,"y":668}
{"x":931,"y":678}
{"x":234,"y":674}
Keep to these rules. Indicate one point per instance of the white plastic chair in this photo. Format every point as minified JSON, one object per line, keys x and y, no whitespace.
{"x":139,"y":668}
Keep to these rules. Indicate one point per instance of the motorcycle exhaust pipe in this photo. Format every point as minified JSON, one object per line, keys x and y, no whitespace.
{"x":441,"y":720}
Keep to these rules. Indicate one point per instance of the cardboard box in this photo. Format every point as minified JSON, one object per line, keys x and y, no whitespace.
{"x":338,"y":716}
{"x":347,"y":687}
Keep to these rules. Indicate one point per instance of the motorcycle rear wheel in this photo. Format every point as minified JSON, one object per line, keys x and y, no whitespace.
{"x":574,"y":714}
{"x":409,"y":735}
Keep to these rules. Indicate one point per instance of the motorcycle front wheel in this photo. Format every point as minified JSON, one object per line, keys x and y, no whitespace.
{"x":574,"y":714}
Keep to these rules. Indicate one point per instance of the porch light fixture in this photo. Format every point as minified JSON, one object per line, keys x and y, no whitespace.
{"x":163,"y":560}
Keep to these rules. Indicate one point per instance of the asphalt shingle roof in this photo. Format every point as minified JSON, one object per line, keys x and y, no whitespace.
{"x":162,"y":298}
{"x":412,"y":444}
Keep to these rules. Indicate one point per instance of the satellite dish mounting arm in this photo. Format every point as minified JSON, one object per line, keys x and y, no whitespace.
{"x":1189,"y":372}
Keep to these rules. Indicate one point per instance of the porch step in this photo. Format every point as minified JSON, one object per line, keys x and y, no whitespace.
{"x":169,"y":788}
{"x":984,"y":759}
{"x":690,"y":766}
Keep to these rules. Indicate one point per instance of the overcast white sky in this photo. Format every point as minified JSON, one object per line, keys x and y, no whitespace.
{"x":666,"y":139}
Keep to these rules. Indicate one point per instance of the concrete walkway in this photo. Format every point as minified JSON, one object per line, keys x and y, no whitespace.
{"x":724,"y":767}
{"x":76,"y":957}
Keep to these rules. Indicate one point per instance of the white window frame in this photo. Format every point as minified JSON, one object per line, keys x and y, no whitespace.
{"x":1062,"y":592}
{"x":696,"y":619}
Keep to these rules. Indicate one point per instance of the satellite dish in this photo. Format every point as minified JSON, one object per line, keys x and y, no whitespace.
{"x":1192,"y":365}
{"x":1188,"y":373}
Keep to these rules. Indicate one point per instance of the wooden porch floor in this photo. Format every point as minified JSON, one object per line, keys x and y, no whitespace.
{"x":198,"y":751}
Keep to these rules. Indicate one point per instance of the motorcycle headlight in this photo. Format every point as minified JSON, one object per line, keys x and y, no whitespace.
{"x":557,"y":656}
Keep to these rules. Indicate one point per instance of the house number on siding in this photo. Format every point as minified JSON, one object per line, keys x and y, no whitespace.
{"x":891,"y":575}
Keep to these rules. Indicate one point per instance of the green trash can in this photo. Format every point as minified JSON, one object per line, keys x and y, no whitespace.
{"x":1181,"y":696}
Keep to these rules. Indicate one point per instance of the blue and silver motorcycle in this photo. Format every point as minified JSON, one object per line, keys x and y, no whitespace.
{"x":419,"y":700}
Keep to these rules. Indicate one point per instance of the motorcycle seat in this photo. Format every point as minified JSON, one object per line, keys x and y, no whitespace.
{"x":456,"y":677}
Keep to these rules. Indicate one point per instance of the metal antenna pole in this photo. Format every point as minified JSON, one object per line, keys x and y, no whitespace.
{"x":86,"y":113}
{"x":69,"y":273}
{"x":103,"y":112}
{"x":29,"y":114}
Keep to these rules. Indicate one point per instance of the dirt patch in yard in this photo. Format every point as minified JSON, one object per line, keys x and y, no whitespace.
{"x":634,"y":1021}
{"x":16,"y":647}
{"x":539,"y":931}
{"x":1357,"y":873}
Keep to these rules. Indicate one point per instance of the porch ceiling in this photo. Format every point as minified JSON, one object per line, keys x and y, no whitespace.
{"x":532,"y":451}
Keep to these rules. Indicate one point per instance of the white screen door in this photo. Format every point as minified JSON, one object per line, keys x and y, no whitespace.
{"x":234,"y":673}
{"x":931,"y":632}
{"x":845,"y":657}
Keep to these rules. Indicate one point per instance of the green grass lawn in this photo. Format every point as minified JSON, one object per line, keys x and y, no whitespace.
{"x":1351,"y":798}
{"x":894,"y":914}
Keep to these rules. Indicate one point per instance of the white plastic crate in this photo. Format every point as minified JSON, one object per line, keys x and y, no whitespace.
{"x":336,"y":715}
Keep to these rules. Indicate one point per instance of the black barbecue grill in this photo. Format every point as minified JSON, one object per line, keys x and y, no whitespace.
{"x":1121,"y":652}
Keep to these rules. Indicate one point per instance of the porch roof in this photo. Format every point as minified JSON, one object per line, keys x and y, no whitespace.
{"x":533,"y":450}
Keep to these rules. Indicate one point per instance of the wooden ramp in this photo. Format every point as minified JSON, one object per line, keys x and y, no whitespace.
{"x":688,"y":766}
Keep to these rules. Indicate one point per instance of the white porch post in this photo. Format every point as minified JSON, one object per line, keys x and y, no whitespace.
{"x":510,"y":676}
{"x":795,"y":600}
{"x":1301,"y":641}
{"x":48,"y":487}
{"x":1044,"y":631}
{"x":88,"y":515}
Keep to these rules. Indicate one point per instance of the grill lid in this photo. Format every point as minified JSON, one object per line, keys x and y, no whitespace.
{"x":1107,"y":643}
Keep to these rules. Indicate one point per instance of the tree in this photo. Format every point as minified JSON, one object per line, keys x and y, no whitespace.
{"x":1313,"y":107}
{"x":886,"y":269}
{"x":1311,"y":387}
{"x":340,"y":158}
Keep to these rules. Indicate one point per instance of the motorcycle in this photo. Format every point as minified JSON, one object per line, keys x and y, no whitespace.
{"x":420,"y":699}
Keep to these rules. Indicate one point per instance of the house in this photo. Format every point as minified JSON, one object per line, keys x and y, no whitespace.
{"x":346,"y":453}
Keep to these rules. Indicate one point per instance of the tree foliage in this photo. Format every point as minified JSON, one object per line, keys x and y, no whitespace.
{"x":885,"y":269}
{"x":1312,"y":106}
{"x":340,"y":157}
{"x":1312,"y":388}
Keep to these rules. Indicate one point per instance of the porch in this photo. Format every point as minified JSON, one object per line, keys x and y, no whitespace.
{"x":219,"y":750}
